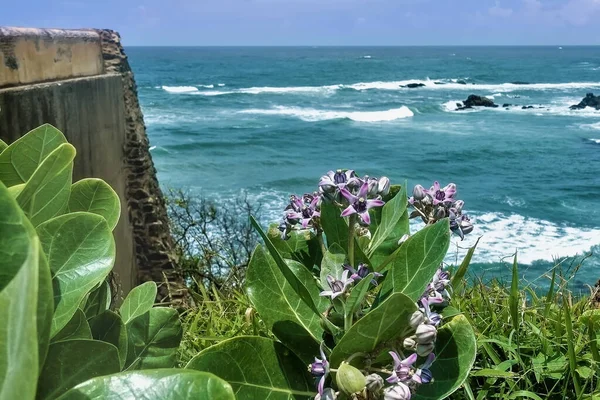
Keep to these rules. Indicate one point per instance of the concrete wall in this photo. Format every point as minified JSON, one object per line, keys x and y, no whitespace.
{"x":81,"y":82}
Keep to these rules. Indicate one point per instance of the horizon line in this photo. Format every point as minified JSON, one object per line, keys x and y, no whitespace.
{"x":363,"y":45}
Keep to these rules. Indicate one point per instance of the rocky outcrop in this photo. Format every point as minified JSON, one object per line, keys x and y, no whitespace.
{"x":477,"y":101}
{"x":154,"y":247}
{"x":413,"y":85}
{"x":588,"y":101}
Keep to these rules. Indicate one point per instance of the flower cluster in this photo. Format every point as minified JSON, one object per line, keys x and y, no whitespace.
{"x":437,"y":203}
{"x":337,"y":287}
{"x":302,"y":212}
{"x":357,"y":195}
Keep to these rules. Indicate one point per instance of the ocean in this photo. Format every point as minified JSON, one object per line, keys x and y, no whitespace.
{"x":269,"y":121}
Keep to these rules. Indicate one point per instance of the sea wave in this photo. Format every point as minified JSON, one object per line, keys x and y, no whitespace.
{"x":428,"y":84}
{"x":311,"y":114}
{"x":597,"y":141}
{"x":558,"y":107}
{"x":179,"y":89}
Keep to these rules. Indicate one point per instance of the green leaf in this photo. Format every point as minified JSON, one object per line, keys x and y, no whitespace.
{"x":96,"y":196}
{"x":154,"y":338}
{"x":3,"y":145}
{"x":524,"y":394}
{"x":413,"y":265}
{"x":14,"y":237}
{"x":72,"y":362}
{"x":163,"y":384}
{"x":45,"y":305}
{"x":332,"y":264}
{"x":293,"y":281}
{"x":19,"y":161}
{"x":336,"y":231}
{"x":302,"y":246}
{"x":108,"y":327}
{"x":590,"y":316}
{"x":455,"y":354}
{"x":16,"y":190}
{"x":280,"y":307}
{"x":391,"y":215}
{"x":98,"y":300}
{"x":138,"y":301}
{"x":358,"y":293}
{"x":493,"y":373}
{"x":388,"y":321}
{"x":460,"y":273}
{"x":81,"y":252}
{"x":257,"y":368}
{"x":46,"y":193}
{"x":18,"y":330}
{"x":76,"y":328}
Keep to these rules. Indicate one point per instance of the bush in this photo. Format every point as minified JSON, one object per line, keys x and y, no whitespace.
{"x":58,"y":338}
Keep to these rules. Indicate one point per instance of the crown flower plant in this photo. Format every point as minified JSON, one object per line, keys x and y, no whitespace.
{"x":359,"y":306}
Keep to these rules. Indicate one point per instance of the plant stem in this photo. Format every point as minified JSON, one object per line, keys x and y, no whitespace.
{"x":351,"y":224}
{"x":321,"y":243}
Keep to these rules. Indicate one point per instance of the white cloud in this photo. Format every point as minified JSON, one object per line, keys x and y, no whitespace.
{"x":580,"y":12}
{"x":498,"y":11}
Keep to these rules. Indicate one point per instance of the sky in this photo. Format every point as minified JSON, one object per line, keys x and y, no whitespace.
{"x":320,"y":22}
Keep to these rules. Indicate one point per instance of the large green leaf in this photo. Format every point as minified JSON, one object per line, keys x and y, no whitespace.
{"x":163,"y":384}
{"x":296,"y":285}
{"x":18,"y":329}
{"x":138,"y":301}
{"x":302,"y":246}
{"x":14,"y":237}
{"x":455,"y":354}
{"x":81,"y":252}
{"x":97,"y":301}
{"x":96,"y":196}
{"x":336,"y":231}
{"x":3,"y":145}
{"x":76,"y":328}
{"x":332,"y":264}
{"x":45,"y":305}
{"x":413,"y":265}
{"x":21,"y":158}
{"x":46,"y":193}
{"x":391,"y":215}
{"x":108,"y":327}
{"x":154,"y":338}
{"x":257,"y":368}
{"x":387,"y":322}
{"x":72,"y":362}
{"x":284,"y":312}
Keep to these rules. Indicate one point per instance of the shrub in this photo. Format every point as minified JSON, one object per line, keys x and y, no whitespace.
{"x":58,"y":337}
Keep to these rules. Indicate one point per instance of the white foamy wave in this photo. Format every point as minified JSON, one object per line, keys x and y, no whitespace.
{"x":311,"y":114}
{"x":275,"y":90}
{"x":207,"y":86}
{"x":558,"y":107}
{"x":452,"y":105}
{"x":534,"y":239}
{"x":595,"y":127}
{"x":220,"y":84}
{"x":597,"y":141}
{"x":180,"y":89}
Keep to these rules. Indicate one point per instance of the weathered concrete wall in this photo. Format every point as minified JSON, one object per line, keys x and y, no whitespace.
{"x":36,"y":55}
{"x":41,"y":82}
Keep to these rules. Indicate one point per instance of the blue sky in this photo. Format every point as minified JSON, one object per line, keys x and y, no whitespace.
{"x":320,"y":22}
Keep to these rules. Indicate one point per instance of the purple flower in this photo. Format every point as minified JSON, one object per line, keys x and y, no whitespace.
{"x":397,"y":392}
{"x":419,"y":193}
{"x":432,"y":317}
{"x":337,"y":286}
{"x":426,"y":334}
{"x":320,"y":369}
{"x":423,"y":374}
{"x":442,"y":195}
{"x":332,"y":181}
{"x":402,"y":368}
{"x":303,"y":210}
{"x":360,"y":204}
{"x":362,"y":272}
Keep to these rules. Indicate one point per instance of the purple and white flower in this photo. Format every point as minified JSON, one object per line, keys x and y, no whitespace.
{"x":337,"y":286}
{"x":320,"y":369}
{"x":399,"y":391}
{"x":423,"y":374}
{"x":361,"y":272}
{"x":360,"y":204}
{"x":403,"y":369}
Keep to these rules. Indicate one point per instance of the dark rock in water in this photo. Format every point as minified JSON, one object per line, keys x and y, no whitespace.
{"x":459,"y":105}
{"x":526,"y":107}
{"x":464,"y":108}
{"x":439,"y":83}
{"x":461,"y":82}
{"x":588,"y":101}
{"x":506,"y":105}
{"x":479,"y":101}
{"x":414,"y":85}
{"x":520,"y":83}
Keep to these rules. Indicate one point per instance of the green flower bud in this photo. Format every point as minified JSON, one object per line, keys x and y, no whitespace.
{"x":349,"y":379}
{"x":423,"y":350}
{"x":374,"y":383}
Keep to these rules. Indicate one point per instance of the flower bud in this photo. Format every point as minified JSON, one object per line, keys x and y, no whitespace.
{"x":383,"y":186}
{"x":439,"y":213}
{"x":426,"y":334}
{"x":416,"y":319}
{"x":423,"y":350}
{"x":374,"y":383}
{"x":419,"y":193}
{"x":409,"y":343}
{"x":397,"y":392}
{"x":373,"y":186}
{"x":458,"y":206}
{"x":328,"y":394}
{"x":466,"y":226}
{"x":349,"y":379}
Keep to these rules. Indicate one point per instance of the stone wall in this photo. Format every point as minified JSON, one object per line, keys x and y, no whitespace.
{"x":80,"y":82}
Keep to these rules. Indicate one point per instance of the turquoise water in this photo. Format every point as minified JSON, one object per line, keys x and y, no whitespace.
{"x":271,"y":121}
